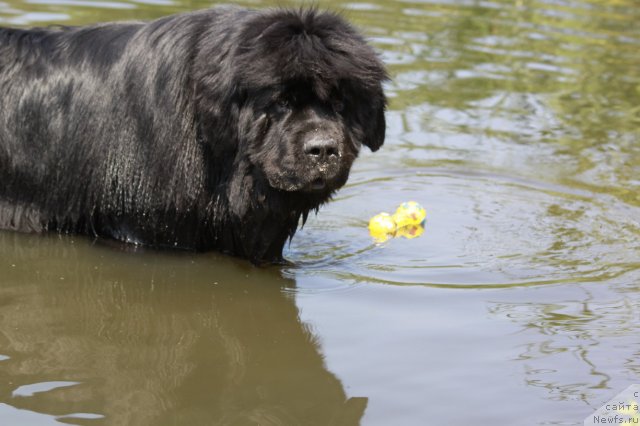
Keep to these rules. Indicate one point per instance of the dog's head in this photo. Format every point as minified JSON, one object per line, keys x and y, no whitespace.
{"x":314,"y":93}
{"x":284,"y":101}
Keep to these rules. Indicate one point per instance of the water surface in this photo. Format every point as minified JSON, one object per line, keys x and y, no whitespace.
{"x":517,"y":126}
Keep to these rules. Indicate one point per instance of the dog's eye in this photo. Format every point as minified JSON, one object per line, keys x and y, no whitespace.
{"x":283,"y":104}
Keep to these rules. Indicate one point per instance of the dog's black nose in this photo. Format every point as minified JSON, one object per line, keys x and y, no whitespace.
{"x":322,"y":149}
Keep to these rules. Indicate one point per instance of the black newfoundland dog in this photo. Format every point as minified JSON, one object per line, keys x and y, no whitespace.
{"x":218,"y":129}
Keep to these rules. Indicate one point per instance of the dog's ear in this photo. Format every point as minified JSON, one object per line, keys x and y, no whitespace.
{"x":375,"y":129}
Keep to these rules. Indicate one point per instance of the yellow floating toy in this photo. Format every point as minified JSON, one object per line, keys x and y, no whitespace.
{"x":407,"y":222}
{"x":382,"y":226}
{"x":409,"y":213}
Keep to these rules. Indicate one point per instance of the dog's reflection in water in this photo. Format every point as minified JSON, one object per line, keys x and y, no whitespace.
{"x":159,"y":339}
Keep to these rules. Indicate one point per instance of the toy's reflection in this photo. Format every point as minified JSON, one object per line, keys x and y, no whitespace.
{"x":158,"y":338}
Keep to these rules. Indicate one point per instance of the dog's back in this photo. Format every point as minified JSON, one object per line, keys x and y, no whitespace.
{"x":77,"y":106}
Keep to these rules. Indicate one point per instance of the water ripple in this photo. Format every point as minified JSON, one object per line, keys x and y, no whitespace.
{"x":483,"y":230}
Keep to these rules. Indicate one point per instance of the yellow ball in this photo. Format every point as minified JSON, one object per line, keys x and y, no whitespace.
{"x":409,"y":213}
{"x":382,"y":226}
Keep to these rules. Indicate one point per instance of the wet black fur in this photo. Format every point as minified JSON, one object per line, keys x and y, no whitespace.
{"x":186,"y":131}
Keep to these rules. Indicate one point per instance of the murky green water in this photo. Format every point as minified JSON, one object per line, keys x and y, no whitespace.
{"x":517,"y":125}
